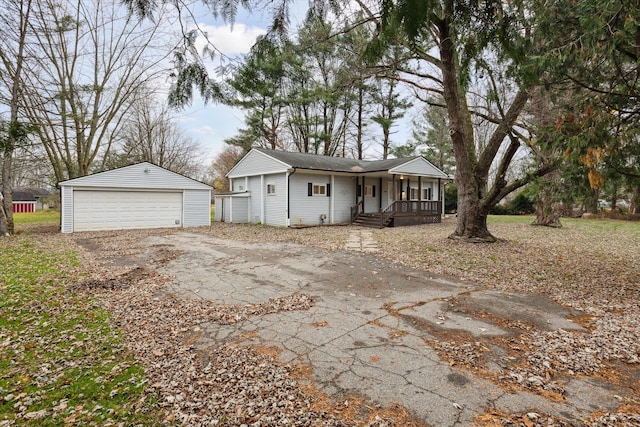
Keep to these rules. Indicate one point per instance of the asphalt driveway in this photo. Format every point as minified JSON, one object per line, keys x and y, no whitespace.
{"x":385,"y":332}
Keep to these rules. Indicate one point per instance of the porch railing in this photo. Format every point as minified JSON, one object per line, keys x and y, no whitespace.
{"x":417,"y":207}
{"x":356,"y":210}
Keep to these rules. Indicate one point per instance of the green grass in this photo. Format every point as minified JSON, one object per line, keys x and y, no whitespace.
{"x":60,"y":360}
{"x":604,"y":224}
{"x":38,"y":217}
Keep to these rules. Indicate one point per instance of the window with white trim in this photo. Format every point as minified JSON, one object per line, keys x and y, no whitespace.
{"x":319,"y":189}
{"x":414,"y":194}
{"x":271,"y":189}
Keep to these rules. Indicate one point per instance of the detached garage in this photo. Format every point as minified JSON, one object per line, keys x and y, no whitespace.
{"x":138,"y":196}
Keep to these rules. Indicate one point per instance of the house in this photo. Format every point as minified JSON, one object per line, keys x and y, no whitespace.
{"x":138,"y":196}
{"x":289,"y":189}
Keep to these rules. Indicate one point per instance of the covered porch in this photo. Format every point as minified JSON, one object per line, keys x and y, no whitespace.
{"x":397,"y":199}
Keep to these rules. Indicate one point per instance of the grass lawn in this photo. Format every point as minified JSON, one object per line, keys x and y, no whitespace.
{"x":39,"y":217}
{"x":61,"y":361}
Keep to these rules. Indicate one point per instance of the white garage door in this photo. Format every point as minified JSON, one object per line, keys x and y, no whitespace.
{"x":113,"y":210}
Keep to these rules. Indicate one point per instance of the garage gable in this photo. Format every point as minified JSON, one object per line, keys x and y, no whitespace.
{"x":141,"y":175}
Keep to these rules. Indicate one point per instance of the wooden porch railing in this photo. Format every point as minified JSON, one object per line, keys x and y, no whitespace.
{"x":417,"y":207}
{"x":355,"y":210}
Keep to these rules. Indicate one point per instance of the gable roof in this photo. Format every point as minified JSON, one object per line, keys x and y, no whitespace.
{"x":139,"y":176}
{"x":344,"y":165}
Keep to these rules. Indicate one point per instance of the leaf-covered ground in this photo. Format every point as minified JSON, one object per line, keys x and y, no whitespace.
{"x":61,"y":362}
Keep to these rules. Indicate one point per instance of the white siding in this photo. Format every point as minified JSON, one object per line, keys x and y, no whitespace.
{"x":418,"y":166}
{"x":275,"y":205}
{"x":139,"y":176}
{"x":344,"y":195}
{"x":371,"y":203}
{"x":66,"y":220}
{"x":196,"y":208}
{"x":307,"y":209}
{"x":257,"y":163}
{"x":239,"y":207}
{"x":219,"y":204}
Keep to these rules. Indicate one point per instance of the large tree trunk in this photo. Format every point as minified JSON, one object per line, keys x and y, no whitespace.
{"x":472,"y":218}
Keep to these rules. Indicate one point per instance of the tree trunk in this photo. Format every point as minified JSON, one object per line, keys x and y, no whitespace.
{"x":635,"y":201}
{"x":548,"y":207}
{"x":6,"y":210}
{"x":472,"y":217}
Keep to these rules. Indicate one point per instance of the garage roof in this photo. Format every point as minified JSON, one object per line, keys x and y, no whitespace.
{"x":141,"y":175}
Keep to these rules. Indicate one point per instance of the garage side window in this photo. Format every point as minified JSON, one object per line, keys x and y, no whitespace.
{"x":271,"y":189}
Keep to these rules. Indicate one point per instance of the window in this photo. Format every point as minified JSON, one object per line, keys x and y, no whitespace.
{"x":370,"y":190}
{"x":426,"y":194}
{"x":415,"y":194}
{"x":319,"y":189}
{"x":271,"y":189}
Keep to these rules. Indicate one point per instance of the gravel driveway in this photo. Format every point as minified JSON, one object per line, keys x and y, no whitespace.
{"x":288,"y":334}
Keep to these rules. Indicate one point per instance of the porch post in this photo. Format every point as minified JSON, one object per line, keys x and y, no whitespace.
{"x":420,"y":193}
{"x":441,"y":194}
{"x":393,"y":186}
{"x":380,"y":194}
{"x":362,"y":195}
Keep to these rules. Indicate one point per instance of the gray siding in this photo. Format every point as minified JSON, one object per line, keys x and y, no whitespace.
{"x":196,"y":208}
{"x":419,"y":166}
{"x":142,"y":175}
{"x":66,"y":219}
{"x":257,"y":163}
{"x":255,"y":200}
{"x":275,"y":205}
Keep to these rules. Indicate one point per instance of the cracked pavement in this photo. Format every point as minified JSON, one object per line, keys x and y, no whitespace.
{"x":370,"y":329}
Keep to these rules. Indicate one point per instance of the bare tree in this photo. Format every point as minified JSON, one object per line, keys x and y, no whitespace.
{"x":152,"y":134}
{"x":12,"y":54}
{"x":222,"y":164}
{"x":93,"y":56}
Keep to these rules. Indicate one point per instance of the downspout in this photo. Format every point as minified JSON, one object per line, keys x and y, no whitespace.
{"x":289,"y":196}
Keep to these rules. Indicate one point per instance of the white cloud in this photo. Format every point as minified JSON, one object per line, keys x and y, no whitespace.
{"x":230,"y":41}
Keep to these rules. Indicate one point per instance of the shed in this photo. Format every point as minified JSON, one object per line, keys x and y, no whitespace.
{"x":23,"y":201}
{"x":138,"y":196}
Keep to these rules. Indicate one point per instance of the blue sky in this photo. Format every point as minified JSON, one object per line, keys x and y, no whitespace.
{"x":210,"y":124}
